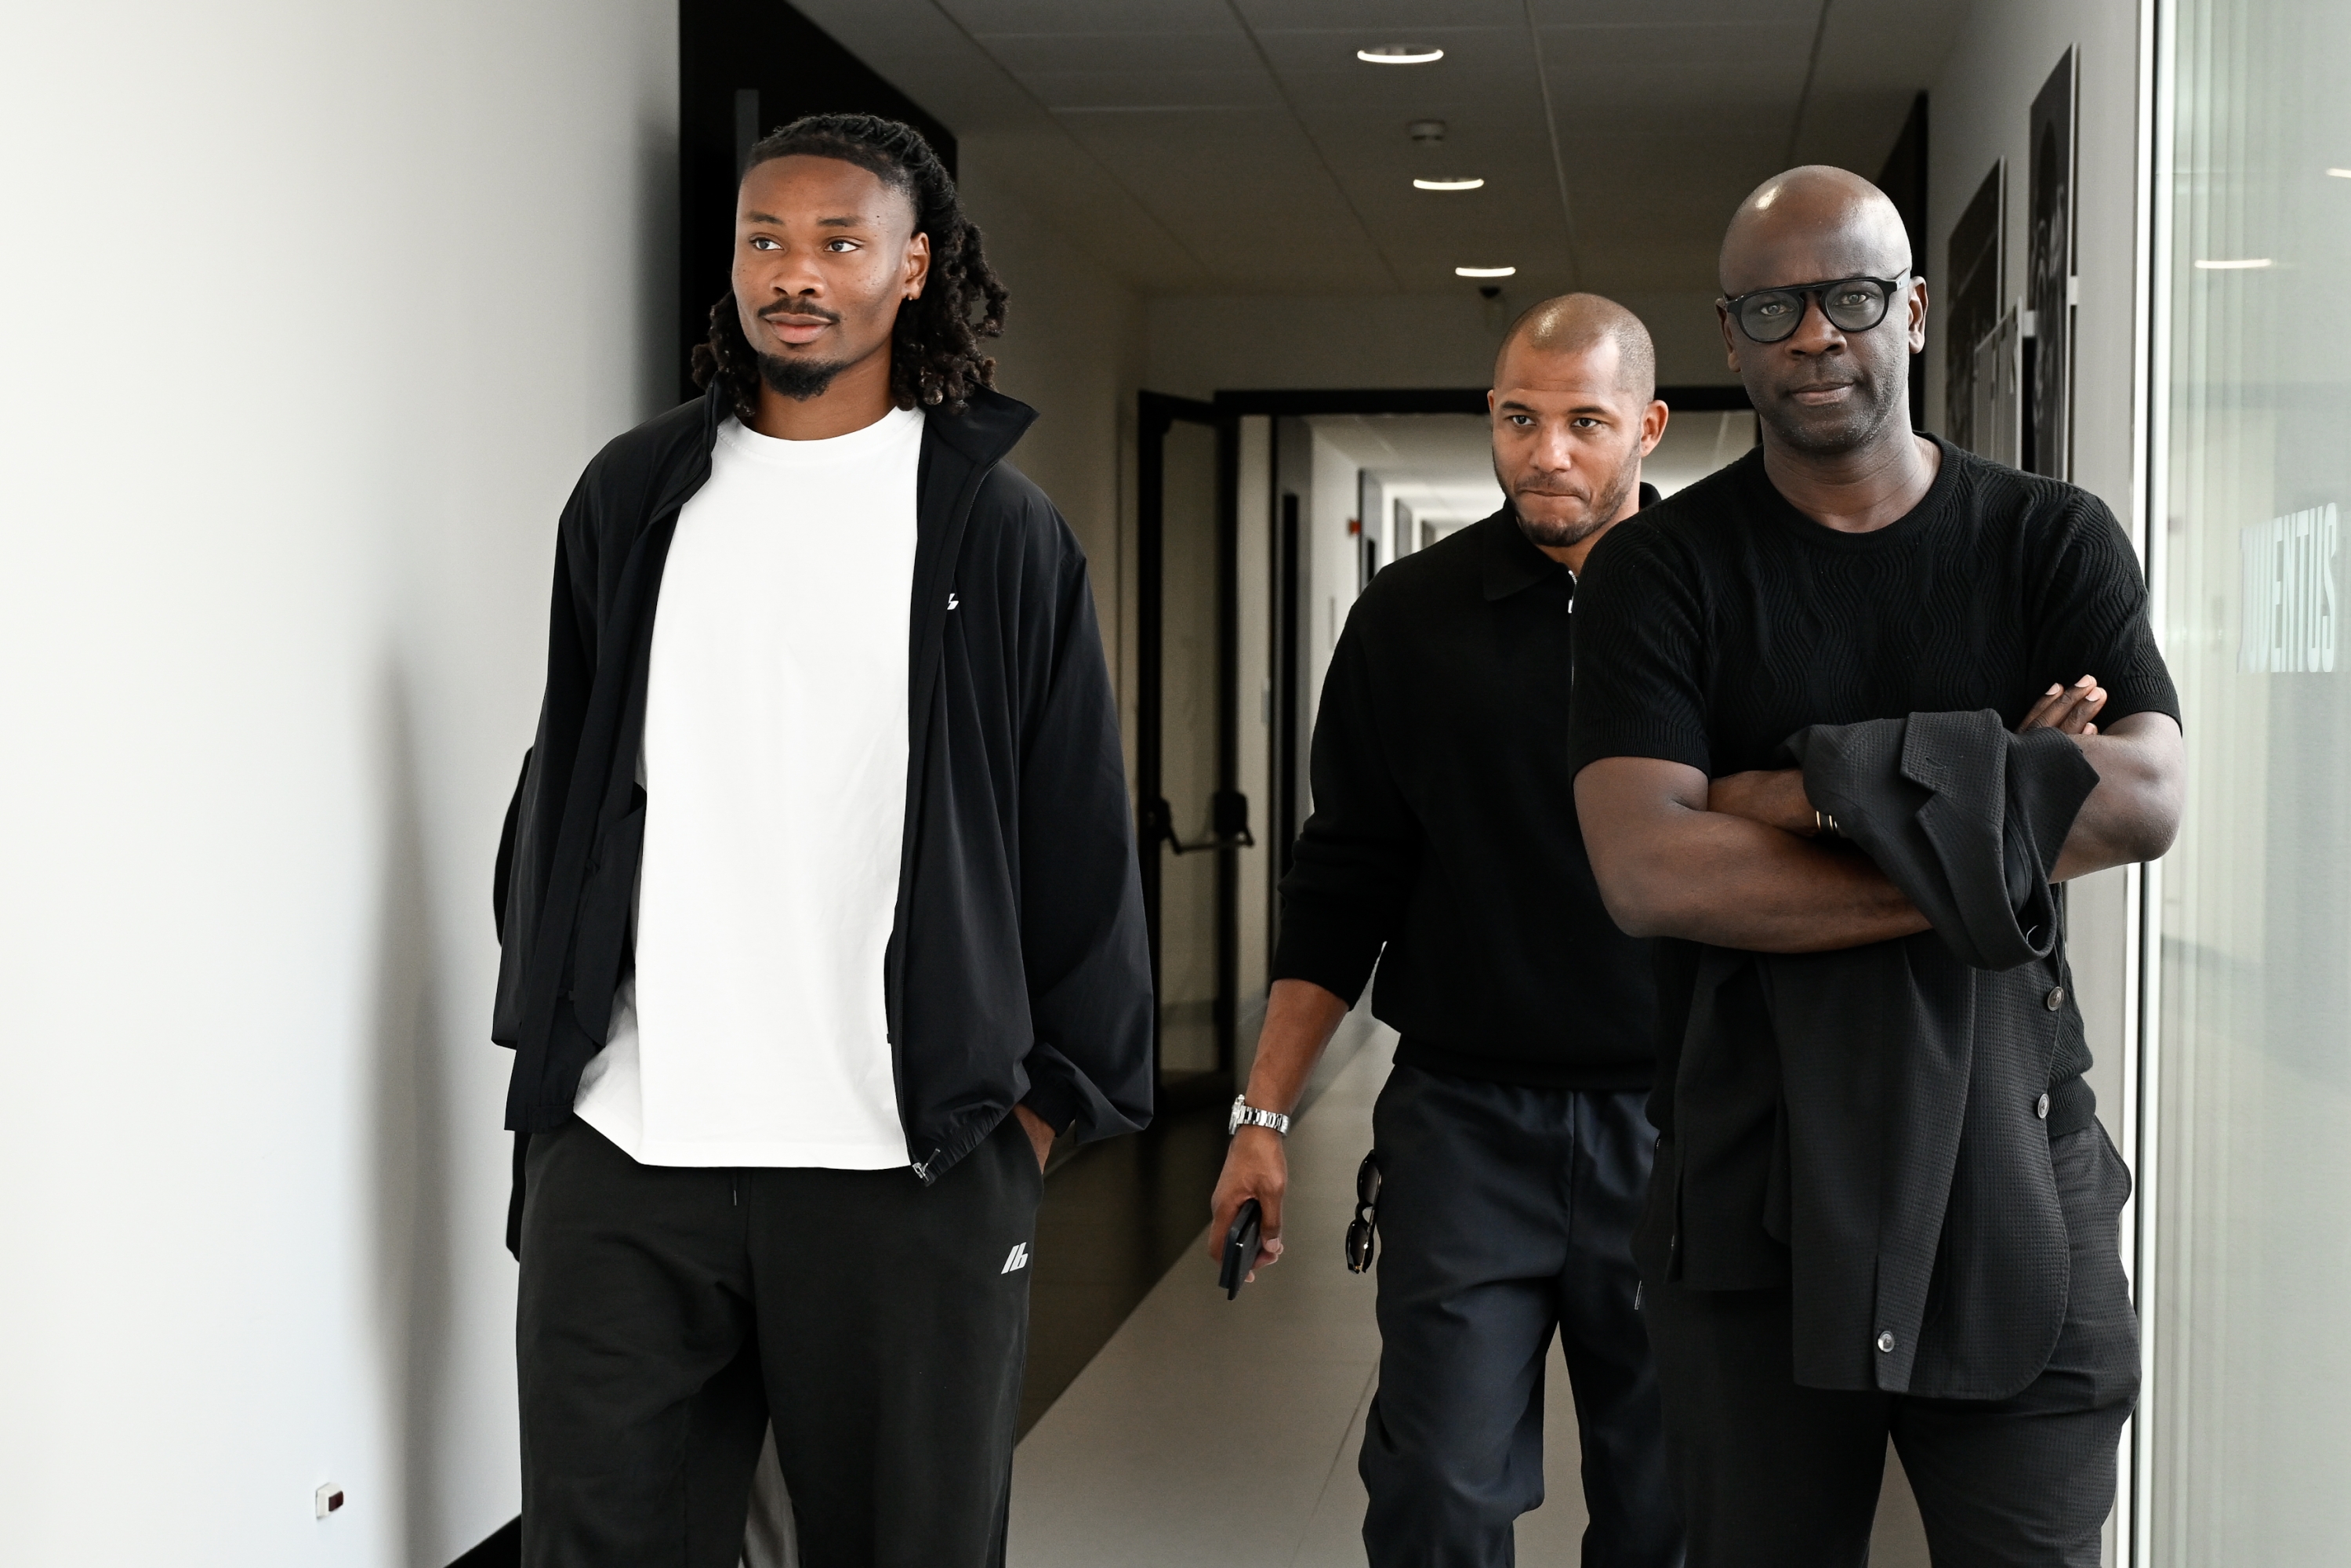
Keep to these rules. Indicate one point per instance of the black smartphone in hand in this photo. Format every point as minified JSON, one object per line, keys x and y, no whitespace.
{"x":1241,"y":1247}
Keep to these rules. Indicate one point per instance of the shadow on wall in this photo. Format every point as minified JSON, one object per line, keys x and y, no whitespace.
{"x":408,"y":1159}
{"x":660,"y":372}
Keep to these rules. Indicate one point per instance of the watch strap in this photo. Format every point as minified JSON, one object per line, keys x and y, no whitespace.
{"x":1247,"y":1115}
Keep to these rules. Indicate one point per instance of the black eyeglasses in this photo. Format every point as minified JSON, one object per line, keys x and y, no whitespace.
{"x":1363,"y":1236}
{"x":1851,"y":304}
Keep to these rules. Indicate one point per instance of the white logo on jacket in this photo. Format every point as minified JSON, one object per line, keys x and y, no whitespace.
{"x":1018,"y":1259}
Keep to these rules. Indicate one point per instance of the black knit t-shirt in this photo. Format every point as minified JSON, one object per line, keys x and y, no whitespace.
{"x":1716,"y":624}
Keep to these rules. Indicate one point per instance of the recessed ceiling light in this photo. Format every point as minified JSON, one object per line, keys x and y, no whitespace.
{"x":2248,"y":264}
{"x":1496,"y":271}
{"x":1397,"y":55}
{"x":1446,"y":184}
{"x":2340,"y":173}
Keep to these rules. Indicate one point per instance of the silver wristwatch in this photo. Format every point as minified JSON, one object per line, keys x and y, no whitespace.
{"x":1247,"y":1115}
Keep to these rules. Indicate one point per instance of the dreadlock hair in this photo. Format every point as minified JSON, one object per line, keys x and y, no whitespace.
{"x":934,"y":358}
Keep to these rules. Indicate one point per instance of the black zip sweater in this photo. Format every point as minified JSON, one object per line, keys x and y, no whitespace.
{"x":1017,"y":971}
{"x":1445,"y":828}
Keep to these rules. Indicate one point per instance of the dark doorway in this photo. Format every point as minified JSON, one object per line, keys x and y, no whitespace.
{"x":1295,"y":605}
{"x":745,"y":68}
{"x":1904,"y":180}
{"x":1192,"y":814}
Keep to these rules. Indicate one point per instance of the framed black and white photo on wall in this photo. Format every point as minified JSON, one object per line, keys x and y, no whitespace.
{"x":1972,"y":303}
{"x":2049,"y":284}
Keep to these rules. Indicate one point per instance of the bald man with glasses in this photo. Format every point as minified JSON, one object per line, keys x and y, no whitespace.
{"x":1849,"y":714}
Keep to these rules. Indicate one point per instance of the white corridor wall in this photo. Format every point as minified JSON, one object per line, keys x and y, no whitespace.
{"x":309,"y":317}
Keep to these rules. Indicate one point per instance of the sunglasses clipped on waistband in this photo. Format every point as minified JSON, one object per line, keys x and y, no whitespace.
{"x":1363,"y":1236}
{"x":1851,"y":304}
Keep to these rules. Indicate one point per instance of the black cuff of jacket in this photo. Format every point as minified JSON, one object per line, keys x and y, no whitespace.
{"x":1053,"y":1103}
{"x":1325,"y":952}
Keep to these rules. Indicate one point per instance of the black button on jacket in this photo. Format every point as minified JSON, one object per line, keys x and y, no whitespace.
{"x":1016,"y":971}
{"x":1444,"y":827}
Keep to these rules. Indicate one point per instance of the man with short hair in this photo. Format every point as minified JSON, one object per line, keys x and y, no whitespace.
{"x":1510,"y":1147}
{"x":1849,"y":714}
{"x":820,"y":909}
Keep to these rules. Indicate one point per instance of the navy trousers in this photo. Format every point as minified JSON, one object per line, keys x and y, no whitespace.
{"x":1507,"y":1213}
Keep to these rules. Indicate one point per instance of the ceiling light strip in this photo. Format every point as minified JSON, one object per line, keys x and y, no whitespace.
{"x":1448,"y":185}
{"x":1399,"y":56}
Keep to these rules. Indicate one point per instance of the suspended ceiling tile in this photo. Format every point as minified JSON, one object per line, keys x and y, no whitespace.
{"x":1333,"y":52}
{"x":1177,"y":159}
{"x":985,"y":17}
{"x":1890,"y":44}
{"x":1854,"y":130}
{"x":1067,"y":186}
{"x":1147,"y":91}
{"x":1409,"y":21}
{"x":1771,"y":52}
{"x":1675,"y":12}
{"x":1029,"y":54}
{"x":922,"y":51}
{"x":1250,"y":226}
{"x":1484,"y":141}
{"x":1645,"y":89}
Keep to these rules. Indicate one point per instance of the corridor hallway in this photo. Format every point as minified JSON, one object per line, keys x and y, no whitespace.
{"x":315,"y":314}
{"x":1209,"y":1434}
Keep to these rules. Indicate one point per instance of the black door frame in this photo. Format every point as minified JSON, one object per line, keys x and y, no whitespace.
{"x":1157,"y":413}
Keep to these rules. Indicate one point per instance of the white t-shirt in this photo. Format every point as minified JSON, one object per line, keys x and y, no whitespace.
{"x":774,"y":772}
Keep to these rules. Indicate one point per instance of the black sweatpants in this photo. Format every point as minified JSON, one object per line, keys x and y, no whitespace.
{"x":1778,"y":1476}
{"x":1506,"y":1213}
{"x":667,"y":1313}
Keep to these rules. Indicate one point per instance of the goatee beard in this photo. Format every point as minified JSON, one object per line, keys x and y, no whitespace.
{"x":1566,"y":536}
{"x":798,"y":380}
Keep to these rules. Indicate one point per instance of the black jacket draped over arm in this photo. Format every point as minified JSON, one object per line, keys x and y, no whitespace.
{"x":1910,"y":1206}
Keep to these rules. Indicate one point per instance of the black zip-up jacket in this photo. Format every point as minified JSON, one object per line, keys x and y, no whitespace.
{"x":1017,"y":970}
{"x":1445,"y":827}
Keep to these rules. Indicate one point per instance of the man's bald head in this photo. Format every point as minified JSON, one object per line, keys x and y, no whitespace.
{"x":1811,"y":224}
{"x":1819,"y":388}
{"x":1573,"y":410}
{"x":1575,"y":324}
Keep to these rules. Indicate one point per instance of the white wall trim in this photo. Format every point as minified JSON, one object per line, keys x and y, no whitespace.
{"x":2151,"y":437}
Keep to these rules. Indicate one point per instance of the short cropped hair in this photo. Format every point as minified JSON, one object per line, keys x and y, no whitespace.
{"x":1576,"y":323}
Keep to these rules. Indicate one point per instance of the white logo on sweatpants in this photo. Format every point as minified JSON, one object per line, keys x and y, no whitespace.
{"x":1018,"y":1259}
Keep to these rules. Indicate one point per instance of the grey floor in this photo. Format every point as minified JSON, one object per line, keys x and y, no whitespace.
{"x":1223,"y":1435}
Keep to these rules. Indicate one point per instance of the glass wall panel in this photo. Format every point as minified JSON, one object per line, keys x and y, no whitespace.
{"x":2250,"y":1414}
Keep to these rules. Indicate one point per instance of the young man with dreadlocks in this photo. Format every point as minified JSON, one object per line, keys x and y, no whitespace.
{"x":820,"y":909}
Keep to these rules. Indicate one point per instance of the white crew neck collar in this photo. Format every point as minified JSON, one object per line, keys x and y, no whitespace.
{"x":889,"y":431}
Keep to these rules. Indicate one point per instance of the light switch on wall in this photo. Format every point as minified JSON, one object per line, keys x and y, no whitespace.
{"x":329,"y":1498}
